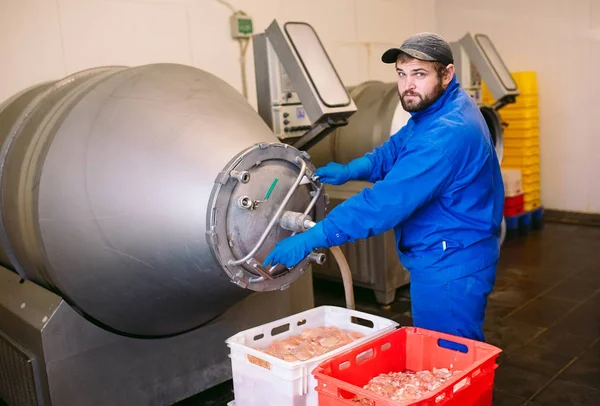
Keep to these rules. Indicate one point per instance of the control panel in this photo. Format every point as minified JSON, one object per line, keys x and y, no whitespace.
{"x":286,"y":114}
{"x":290,"y":120}
{"x":467,"y":73}
{"x":300,"y":95}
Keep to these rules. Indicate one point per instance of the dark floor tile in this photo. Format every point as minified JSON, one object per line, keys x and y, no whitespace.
{"x":217,"y":396}
{"x":403,"y":321}
{"x":543,"y":311}
{"x":518,"y":381}
{"x":590,"y":277}
{"x":511,"y":295}
{"x":561,"y":341}
{"x":539,"y":360}
{"x":584,"y":321}
{"x":574,"y":289}
{"x":403,"y":293}
{"x":562,"y":392}
{"x":510,"y":336}
{"x":506,"y":399}
{"x":586,"y":370}
{"x":495,"y":312}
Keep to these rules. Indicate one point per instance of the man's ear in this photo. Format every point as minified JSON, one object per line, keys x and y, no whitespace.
{"x":448,"y":75}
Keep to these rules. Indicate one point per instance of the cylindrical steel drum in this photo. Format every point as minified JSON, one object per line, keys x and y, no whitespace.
{"x":379,"y":116}
{"x":147,"y":197}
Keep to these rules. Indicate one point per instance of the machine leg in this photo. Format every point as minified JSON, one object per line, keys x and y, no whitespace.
{"x":385,"y":297}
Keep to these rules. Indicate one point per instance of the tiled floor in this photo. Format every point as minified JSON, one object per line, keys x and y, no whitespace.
{"x":544,"y":314}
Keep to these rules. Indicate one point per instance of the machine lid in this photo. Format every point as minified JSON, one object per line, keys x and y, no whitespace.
{"x":494,"y":123}
{"x":248,"y":199}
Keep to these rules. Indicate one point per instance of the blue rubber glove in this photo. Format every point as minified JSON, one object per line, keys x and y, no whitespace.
{"x":338,"y":174}
{"x":292,"y":250}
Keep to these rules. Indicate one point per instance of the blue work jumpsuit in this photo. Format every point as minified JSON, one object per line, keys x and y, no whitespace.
{"x":437,"y":183}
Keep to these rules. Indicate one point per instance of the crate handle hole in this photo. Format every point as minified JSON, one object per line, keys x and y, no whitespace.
{"x":344,"y":365}
{"x":451,"y":345}
{"x":386,"y":347}
{"x":465,"y":382}
{"x":362,"y":322}
{"x":302,"y":322}
{"x":259,"y":362}
{"x":364,"y":356}
{"x":280,"y":329}
{"x":440,"y":398}
{"x":344,"y":394}
{"x":258,"y":337}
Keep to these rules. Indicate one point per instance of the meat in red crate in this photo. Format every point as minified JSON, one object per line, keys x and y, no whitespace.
{"x":456,"y":371}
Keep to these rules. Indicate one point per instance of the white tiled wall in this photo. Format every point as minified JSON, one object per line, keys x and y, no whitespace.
{"x":47,"y":39}
{"x":560,"y":40}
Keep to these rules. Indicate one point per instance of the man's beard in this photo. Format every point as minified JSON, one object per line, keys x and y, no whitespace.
{"x":423,"y":101}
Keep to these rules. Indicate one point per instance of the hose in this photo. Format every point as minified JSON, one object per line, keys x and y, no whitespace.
{"x":346,"y":276}
{"x":300,"y":222}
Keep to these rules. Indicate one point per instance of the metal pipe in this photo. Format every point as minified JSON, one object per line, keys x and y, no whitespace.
{"x":241,"y":176}
{"x":293,"y":221}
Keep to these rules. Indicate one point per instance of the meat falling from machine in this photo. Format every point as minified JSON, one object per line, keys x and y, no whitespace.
{"x":404,"y":386}
{"x":311,"y":343}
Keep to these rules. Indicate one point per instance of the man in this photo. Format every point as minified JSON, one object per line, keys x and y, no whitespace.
{"x":437,"y":183}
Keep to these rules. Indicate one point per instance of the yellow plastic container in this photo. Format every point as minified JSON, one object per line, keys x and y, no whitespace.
{"x":526,"y":82}
{"x":521,"y":142}
{"x":531,"y":177}
{"x":529,"y":170}
{"x":525,"y":113}
{"x":532,"y":196}
{"x":532,"y":205}
{"x":520,"y":161}
{"x":523,"y":125}
{"x":522,"y":102}
{"x":521,"y":152}
{"x":511,"y":132}
{"x":531,"y":187}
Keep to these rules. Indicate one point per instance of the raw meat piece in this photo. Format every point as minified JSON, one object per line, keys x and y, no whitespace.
{"x":404,"y":386}
{"x":311,"y":343}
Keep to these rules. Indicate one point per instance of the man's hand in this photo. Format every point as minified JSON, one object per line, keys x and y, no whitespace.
{"x":333,"y":173}
{"x":293,"y":250}
{"x":338,"y":174}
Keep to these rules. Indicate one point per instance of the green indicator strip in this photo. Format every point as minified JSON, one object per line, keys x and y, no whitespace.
{"x":271,"y":188}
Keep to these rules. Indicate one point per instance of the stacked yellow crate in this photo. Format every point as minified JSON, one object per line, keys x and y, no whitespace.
{"x":521,"y":136}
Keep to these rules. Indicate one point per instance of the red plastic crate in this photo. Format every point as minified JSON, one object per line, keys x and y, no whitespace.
{"x":514,"y":205}
{"x":411,"y":349}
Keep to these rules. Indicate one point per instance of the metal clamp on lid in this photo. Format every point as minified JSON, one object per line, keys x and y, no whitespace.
{"x":243,"y":223}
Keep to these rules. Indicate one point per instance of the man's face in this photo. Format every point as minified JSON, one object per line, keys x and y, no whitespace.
{"x":419,"y":84}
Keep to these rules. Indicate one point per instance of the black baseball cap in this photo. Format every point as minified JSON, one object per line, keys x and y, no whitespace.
{"x":426,"y":46}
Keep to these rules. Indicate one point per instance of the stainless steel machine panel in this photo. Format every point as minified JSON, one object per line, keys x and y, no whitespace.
{"x":310,"y":70}
{"x":78,"y":363}
{"x":489,"y":64}
{"x":120,"y":191}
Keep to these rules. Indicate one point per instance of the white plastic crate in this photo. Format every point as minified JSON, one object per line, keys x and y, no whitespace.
{"x":513,"y":182}
{"x":281,"y":383}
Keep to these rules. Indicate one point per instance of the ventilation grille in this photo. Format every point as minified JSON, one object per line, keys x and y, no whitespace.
{"x":17,"y":379}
